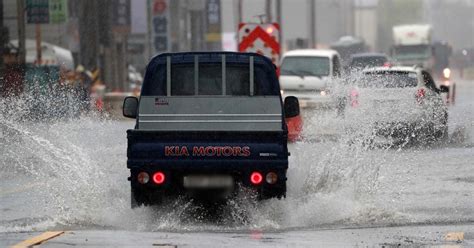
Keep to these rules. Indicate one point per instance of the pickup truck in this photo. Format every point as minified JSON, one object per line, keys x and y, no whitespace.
{"x":207,"y":125}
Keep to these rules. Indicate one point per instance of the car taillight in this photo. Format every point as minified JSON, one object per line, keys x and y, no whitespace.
{"x":354,"y":98}
{"x":159,"y":177}
{"x":143,"y":178}
{"x":420,"y":95}
{"x":256,"y":178}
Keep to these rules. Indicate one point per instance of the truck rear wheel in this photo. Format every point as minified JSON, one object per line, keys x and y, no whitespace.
{"x":140,"y":198}
{"x":136,"y":199}
{"x":278,"y":193}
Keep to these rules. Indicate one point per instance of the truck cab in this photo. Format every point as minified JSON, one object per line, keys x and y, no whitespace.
{"x":208,"y":124}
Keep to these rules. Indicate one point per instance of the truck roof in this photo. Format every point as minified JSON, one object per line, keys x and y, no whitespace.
{"x":186,"y":57}
{"x":414,"y":34}
{"x":312,"y":52}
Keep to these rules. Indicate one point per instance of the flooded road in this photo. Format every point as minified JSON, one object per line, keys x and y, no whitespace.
{"x":71,"y":175}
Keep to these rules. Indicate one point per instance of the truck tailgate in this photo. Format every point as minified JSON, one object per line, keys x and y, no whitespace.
{"x":205,"y":148}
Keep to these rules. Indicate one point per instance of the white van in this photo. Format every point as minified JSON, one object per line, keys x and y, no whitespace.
{"x":308,"y":75}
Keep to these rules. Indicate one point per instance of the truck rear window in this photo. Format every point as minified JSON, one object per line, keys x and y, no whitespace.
{"x":210,"y":79}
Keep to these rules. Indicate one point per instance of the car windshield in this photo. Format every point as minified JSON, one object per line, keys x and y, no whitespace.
{"x":305,"y":66}
{"x":368,"y":61}
{"x":388,"y":79}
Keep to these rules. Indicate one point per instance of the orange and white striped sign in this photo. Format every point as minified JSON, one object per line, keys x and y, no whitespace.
{"x":260,"y":38}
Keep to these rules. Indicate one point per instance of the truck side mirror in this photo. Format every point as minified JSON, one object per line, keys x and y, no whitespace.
{"x":444,"y":89}
{"x":130,"y":107}
{"x":292,"y":107}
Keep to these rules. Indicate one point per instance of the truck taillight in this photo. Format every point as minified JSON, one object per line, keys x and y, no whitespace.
{"x":143,"y":178}
{"x":271,"y":177}
{"x":420,"y":95}
{"x":159,"y":177}
{"x":256,"y":178}
{"x":354,"y":98}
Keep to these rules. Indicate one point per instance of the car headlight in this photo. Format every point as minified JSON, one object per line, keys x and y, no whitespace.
{"x":323,"y":93}
{"x":446,"y":73}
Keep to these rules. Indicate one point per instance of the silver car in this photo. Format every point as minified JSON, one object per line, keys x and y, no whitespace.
{"x":397,"y":102}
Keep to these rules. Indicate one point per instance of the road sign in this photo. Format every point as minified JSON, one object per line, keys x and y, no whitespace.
{"x":46,"y":11}
{"x":121,"y":16}
{"x":160,"y":14}
{"x":57,"y":11}
{"x":260,"y":38}
{"x":213,"y":10}
{"x":37,"y":11}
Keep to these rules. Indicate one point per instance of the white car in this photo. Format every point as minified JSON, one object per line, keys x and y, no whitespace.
{"x":308,"y":74}
{"x":402,"y":103}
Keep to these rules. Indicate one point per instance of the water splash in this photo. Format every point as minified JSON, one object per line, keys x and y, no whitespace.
{"x":76,"y":168}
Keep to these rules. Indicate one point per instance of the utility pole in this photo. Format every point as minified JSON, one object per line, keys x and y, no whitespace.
{"x":3,"y":41}
{"x":312,"y":23}
{"x":38,"y":43}
{"x":89,"y":33}
{"x":148,"y":45}
{"x":239,"y":11}
{"x":268,"y":11}
{"x":20,"y":6}
{"x":196,"y":13}
{"x":279,"y":15}
{"x":352,"y":15}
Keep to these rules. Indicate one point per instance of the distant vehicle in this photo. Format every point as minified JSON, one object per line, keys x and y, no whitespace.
{"x":361,"y":61}
{"x":347,"y":46}
{"x":412,"y":45}
{"x":399,"y":102}
{"x":52,"y":55}
{"x":207,"y":124}
{"x":309,"y":74}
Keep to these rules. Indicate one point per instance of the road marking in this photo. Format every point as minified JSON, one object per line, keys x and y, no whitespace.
{"x":19,"y":189}
{"x":36,"y":240}
{"x":165,"y":245}
{"x":454,"y":236}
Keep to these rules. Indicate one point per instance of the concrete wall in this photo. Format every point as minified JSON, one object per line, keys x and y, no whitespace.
{"x":365,"y":26}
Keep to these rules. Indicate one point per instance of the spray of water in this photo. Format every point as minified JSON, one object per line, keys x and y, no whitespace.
{"x":76,"y":166}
